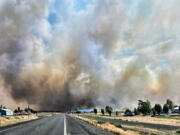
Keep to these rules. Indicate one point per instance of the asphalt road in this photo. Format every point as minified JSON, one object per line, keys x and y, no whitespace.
{"x":55,"y":125}
{"x":131,"y":123}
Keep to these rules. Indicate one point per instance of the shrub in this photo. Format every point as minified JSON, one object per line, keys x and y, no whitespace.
{"x":100,"y":122}
{"x":158,"y":108}
{"x":178,"y":131}
{"x":102,"y":111}
{"x":117,"y":113}
{"x":170,"y":104}
{"x":153,"y":111}
{"x":109,"y":110}
{"x":165,"y":108}
{"x":128,"y":111}
{"x":136,"y":112}
{"x":144,"y":107}
{"x":95,"y":110}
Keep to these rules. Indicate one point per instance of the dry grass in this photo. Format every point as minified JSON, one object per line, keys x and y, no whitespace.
{"x":116,"y":130}
{"x":107,"y":126}
{"x":153,"y":120}
{"x":147,"y":119}
{"x":149,"y":130}
{"x":8,"y":120}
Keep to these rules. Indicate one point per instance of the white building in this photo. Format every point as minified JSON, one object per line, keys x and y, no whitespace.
{"x":175,"y":110}
{"x":6,"y":112}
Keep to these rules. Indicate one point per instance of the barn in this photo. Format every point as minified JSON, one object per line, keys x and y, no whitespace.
{"x":6,"y":112}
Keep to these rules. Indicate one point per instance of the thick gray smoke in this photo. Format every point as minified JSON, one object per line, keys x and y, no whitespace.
{"x":57,"y":57}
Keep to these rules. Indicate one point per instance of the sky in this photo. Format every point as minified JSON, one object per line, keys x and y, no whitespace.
{"x":89,"y":52}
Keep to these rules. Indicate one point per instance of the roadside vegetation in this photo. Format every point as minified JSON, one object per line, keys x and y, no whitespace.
{"x":143,"y":113}
{"x":19,"y":115}
{"x":95,"y":110}
{"x":178,"y":131}
{"x":9,"y":120}
{"x":144,"y":108}
{"x":116,"y":129}
{"x":27,"y":110}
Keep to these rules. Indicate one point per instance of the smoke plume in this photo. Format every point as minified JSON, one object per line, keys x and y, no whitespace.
{"x":57,"y":57}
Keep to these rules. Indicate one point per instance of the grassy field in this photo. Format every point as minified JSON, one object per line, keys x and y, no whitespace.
{"x":132,"y":123}
{"x":111,"y":127}
{"x":171,"y":120}
{"x":8,"y":120}
{"x":171,"y":117}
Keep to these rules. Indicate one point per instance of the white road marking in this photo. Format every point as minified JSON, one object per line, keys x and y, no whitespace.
{"x":65,"y":132}
{"x":8,"y":129}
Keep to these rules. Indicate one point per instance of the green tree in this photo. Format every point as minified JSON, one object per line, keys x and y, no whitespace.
{"x":19,"y":109}
{"x":95,"y":110}
{"x":144,"y":107}
{"x":153,"y":111}
{"x":170,"y":104}
{"x":102,"y":111}
{"x":117,"y":113}
{"x":136,"y":112}
{"x":165,"y":108}
{"x":109,"y":110}
{"x":158,"y":108}
{"x":128,"y":111}
{"x":15,"y":111}
{"x":26,"y":110}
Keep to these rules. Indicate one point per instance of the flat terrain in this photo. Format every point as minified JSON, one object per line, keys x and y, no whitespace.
{"x":60,"y":124}
{"x":164,"y":120}
{"x":8,"y":120}
{"x":144,"y":125}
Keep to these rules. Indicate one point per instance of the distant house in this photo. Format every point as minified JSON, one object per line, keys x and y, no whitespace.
{"x":84,"y":110}
{"x":175,"y":110}
{"x":6,"y":112}
{"x":73,"y":111}
{"x":81,"y":111}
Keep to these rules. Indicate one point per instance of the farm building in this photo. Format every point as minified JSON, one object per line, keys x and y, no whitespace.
{"x":81,"y":111}
{"x":84,"y":110}
{"x":175,"y":110}
{"x":5,"y":112}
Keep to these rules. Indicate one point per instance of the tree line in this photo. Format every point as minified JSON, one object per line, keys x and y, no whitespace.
{"x":144,"y":108}
{"x":108,"y":109}
{"x":27,"y":110}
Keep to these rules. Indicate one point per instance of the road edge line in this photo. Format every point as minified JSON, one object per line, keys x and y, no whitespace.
{"x":65,"y":132}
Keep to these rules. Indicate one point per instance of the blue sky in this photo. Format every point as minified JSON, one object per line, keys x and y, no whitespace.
{"x":61,"y":9}
{"x":57,"y":9}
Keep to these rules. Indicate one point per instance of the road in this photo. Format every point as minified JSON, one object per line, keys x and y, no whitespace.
{"x":60,"y":124}
{"x":133,"y":123}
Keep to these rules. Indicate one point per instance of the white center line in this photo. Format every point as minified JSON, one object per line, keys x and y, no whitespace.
{"x":65,"y":133}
